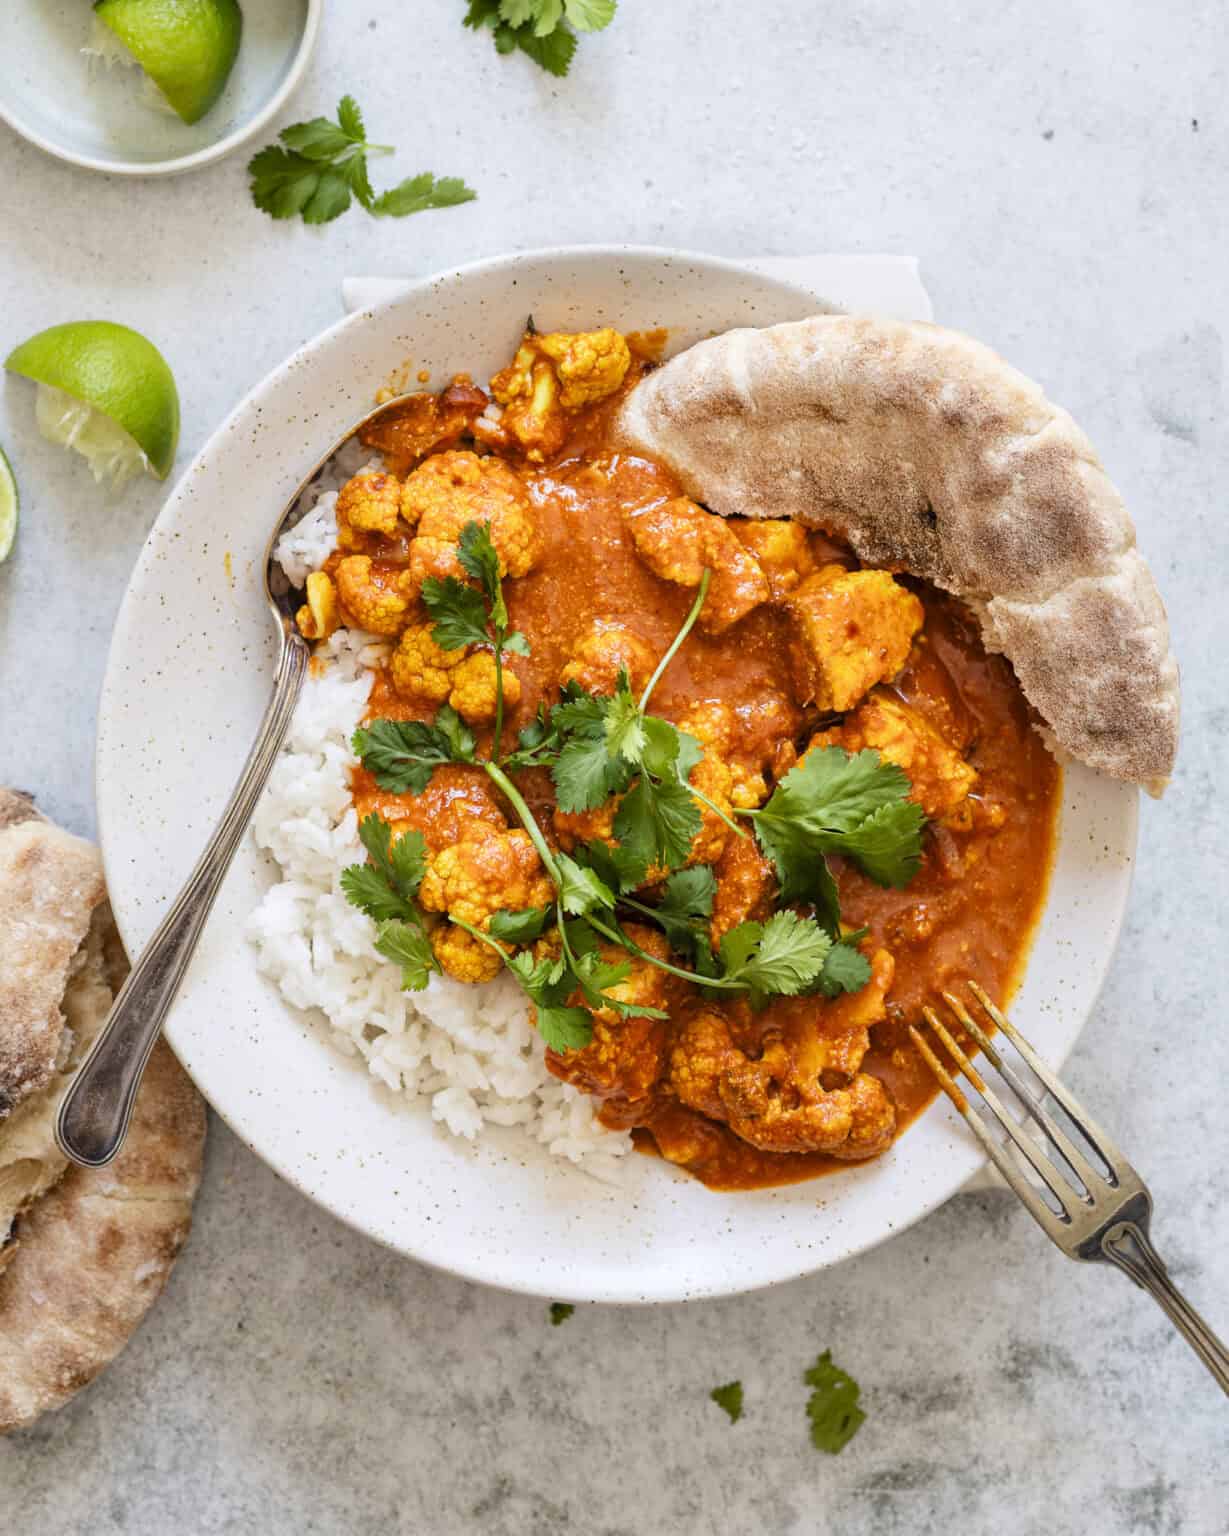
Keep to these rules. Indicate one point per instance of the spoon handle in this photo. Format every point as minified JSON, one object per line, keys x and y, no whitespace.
{"x":93,"y":1117}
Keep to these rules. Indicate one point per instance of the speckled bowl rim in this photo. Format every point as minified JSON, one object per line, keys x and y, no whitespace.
{"x":199,"y":158}
{"x":933,"y":1174}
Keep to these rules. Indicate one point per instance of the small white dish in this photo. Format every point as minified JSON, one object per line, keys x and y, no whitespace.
{"x":188,"y":676}
{"x":95,"y":117}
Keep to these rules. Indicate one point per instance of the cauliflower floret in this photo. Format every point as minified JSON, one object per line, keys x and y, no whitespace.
{"x":473,"y":688}
{"x":451,"y":489}
{"x":774,"y":1097}
{"x":940,"y":777}
{"x":423,"y":671}
{"x":780,"y":546}
{"x":602,"y":653}
{"x":369,"y":502}
{"x":528,"y":390}
{"x":463,"y":956}
{"x":319,"y":616}
{"x":374,"y":597}
{"x":852,"y":629}
{"x":484,"y":871}
{"x":746,"y":887}
{"x":679,"y":541}
{"x":590,"y":364}
{"x":755,"y":737}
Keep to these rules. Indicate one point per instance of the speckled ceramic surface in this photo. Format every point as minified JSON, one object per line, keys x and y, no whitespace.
{"x":186,"y":682}
{"x":96,"y":117}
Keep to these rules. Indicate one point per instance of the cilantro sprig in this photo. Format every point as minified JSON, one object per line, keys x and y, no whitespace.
{"x":320,"y":166}
{"x":385,"y":889}
{"x":541,"y":29}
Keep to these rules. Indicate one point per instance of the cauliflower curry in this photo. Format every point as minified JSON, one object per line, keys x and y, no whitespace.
{"x":735,"y":994}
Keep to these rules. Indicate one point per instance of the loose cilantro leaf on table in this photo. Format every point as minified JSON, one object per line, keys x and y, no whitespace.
{"x":560,"y":1311}
{"x":402,"y":755}
{"x":320,"y":165}
{"x":729,"y":1399}
{"x":541,"y":29}
{"x":832,"y":1406}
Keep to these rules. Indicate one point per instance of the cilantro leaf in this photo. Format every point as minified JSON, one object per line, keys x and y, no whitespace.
{"x":350,"y":119}
{"x":837,"y":802}
{"x":625,"y":736}
{"x":459,"y":613}
{"x":887,"y":846}
{"x":416,"y":194}
{"x":564,"y":1029}
{"x":582,"y":889}
{"x":521,"y":927}
{"x":832,"y":1406}
{"x":684,"y":912}
{"x":479,"y":558}
{"x":409,"y":863}
{"x":560,"y":1311}
{"x":779,"y":957}
{"x":320,"y":165}
{"x":655,"y":823}
{"x":585,"y":775}
{"x":403,"y":754}
{"x":729,"y":1399}
{"x":410,"y":947}
{"x":368,"y":890}
{"x":846,"y":968}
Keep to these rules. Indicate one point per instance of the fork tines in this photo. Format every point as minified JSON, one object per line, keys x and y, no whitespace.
{"x":1071,"y":1181}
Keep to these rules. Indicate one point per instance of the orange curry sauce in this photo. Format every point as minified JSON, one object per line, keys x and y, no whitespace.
{"x":971,"y":909}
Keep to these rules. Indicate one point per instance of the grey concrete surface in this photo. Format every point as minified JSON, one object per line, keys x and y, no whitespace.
{"x":1061,"y":170}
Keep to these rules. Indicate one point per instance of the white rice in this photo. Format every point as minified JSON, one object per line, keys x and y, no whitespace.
{"x":468,"y":1051}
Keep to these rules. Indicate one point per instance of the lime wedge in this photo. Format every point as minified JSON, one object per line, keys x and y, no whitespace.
{"x":186,"y":47}
{"x":8,"y":507}
{"x":107,"y":393}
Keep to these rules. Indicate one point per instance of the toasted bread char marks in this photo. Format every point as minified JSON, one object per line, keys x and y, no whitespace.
{"x":926,"y":452}
{"x":82,"y":1253}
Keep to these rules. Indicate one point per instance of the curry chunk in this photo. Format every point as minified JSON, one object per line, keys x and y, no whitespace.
{"x":754,"y":739}
{"x":372,"y":596}
{"x":455,"y":796}
{"x":552,"y":375}
{"x":940,"y":777}
{"x":457,"y":487}
{"x":625,"y":1057}
{"x":602,"y":653}
{"x":679,"y":541}
{"x":369,"y":502}
{"x":746,"y":887}
{"x":462,"y":956}
{"x":423,"y":422}
{"x":320,"y":616}
{"x":484,"y":871}
{"x":781,"y":548}
{"x":852,"y":629}
{"x":773,"y":1096}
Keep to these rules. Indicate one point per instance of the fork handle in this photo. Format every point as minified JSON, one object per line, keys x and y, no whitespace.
{"x":1129,"y":1247}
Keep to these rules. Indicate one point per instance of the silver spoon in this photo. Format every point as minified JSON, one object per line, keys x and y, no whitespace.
{"x":94,"y":1115}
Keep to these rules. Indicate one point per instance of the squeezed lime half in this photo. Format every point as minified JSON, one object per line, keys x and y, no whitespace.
{"x":8,"y":508}
{"x":107,"y":393}
{"x":186,"y":47}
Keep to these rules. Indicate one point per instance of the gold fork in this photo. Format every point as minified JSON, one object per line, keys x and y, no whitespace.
{"x":1099,"y":1208}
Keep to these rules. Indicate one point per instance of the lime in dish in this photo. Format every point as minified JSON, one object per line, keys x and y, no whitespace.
{"x":186,"y":48}
{"x":8,"y":507}
{"x":107,"y":393}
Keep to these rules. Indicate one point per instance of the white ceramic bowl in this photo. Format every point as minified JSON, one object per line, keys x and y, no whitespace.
{"x":188,"y":677}
{"x":94,"y":117}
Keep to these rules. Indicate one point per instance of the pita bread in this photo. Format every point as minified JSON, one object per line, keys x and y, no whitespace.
{"x":927,"y":453}
{"x":83,"y":1253}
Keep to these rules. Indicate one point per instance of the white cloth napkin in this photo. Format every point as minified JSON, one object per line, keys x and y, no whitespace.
{"x":884,"y":285}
